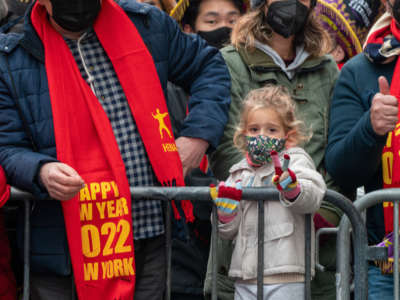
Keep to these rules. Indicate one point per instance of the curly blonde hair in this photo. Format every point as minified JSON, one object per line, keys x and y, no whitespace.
{"x":274,"y":97}
{"x":252,"y":26}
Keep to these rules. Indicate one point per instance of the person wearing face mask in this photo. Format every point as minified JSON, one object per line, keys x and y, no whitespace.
{"x":268,"y":133}
{"x":213,"y":20}
{"x":348,"y":23}
{"x":364,"y":115}
{"x":83,"y":118}
{"x":281,"y":42}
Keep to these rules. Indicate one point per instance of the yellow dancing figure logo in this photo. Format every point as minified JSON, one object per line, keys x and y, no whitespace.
{"x":160,"y":118}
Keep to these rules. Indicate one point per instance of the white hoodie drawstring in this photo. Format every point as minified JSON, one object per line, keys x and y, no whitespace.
{"x":90,"y":77}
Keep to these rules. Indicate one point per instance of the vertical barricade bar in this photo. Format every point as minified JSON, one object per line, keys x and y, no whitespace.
{"x":343,"y":242}
{"x":27,"y":244}
{"x":260,"y":251}
{"x":307,"y":258}
{"x":168,"y":249}
{"x":360,"y":242}
{"x":396,"y":250}
{"x":214,"y":259}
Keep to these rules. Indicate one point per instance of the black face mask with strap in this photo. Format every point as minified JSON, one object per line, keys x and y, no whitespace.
{"x":75,"y":15}
{"x":218,"y":37}
{"x":287,"y":17}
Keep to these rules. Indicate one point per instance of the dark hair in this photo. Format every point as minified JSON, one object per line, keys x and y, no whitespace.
{"x":192,"y":12}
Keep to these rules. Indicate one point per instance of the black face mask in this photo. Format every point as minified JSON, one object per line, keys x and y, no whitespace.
{"x":75,"y":15}
{"x":218,"y":37}
{"x":287,"y":17}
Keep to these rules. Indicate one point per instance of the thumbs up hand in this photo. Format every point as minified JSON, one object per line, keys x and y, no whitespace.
{"x":384,"y":109}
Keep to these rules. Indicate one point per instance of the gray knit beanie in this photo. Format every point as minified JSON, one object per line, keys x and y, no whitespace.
{"x":256,"y":3}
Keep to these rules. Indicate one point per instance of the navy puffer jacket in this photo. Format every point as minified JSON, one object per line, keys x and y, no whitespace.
{"x":182,"y":59}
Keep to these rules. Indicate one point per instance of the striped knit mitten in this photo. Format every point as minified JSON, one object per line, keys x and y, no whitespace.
{"x":227,"y":199}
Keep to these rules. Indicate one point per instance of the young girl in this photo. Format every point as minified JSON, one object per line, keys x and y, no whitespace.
{"x":269,"y":132}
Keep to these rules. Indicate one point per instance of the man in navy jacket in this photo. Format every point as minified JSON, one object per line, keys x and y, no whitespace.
{"x":363,"y":112}
{"x":27,"y":144}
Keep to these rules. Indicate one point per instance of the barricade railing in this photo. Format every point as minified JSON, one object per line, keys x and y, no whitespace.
{"x":343,"y":268}
{"x":26,"y":199}
{"x":253,"y":194}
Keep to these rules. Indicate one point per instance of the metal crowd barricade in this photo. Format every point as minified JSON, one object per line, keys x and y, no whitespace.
{"x":373,"y":253}
{"x":255,"y":194}
{"x":26,"y":199}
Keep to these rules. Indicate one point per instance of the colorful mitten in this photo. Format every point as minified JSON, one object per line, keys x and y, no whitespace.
{"x":387,"y":266}
{"x":226,"y":199}
{"x":289,"y":187}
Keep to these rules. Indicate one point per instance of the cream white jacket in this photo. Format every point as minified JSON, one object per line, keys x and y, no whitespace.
{"x":284,"y":241}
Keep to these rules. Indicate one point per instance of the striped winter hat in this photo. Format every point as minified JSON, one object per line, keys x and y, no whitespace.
{"x":257,"y":3}
{"x":179,"y":10}
{"x":168,"y":5}
{"x":348,"y":21}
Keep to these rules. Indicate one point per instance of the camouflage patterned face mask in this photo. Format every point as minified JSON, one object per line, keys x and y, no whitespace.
{"x":259,"y":148}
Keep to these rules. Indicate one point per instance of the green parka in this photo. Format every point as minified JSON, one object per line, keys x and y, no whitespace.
{"x":311,"y":88}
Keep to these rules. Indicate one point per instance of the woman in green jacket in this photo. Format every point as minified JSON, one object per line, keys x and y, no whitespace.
{"x":281,"y":42}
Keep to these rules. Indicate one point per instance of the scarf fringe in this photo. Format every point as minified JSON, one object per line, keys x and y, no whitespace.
{"x":186,"y":205}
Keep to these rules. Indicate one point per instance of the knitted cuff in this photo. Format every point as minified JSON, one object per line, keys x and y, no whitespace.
{"x":292,"y":194}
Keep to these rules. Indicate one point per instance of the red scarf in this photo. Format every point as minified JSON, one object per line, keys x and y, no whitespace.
{"x":98,"y":220}
{"x":390,"y":161}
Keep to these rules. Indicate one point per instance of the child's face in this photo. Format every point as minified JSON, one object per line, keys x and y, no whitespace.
{"x":265,"y":121}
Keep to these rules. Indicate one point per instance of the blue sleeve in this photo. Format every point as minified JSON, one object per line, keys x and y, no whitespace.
{"x":21,"y":164}
{"x":200,"y":70}
{"x":354,"y":150}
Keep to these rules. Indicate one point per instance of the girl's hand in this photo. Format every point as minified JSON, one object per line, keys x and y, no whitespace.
{"x":285,"y":179}
{"x":226,"y":198}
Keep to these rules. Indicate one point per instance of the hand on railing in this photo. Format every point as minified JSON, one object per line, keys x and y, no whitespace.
{"x":61,"y":181}
{"x":285,"y":179}
{"x":226,"y":198}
